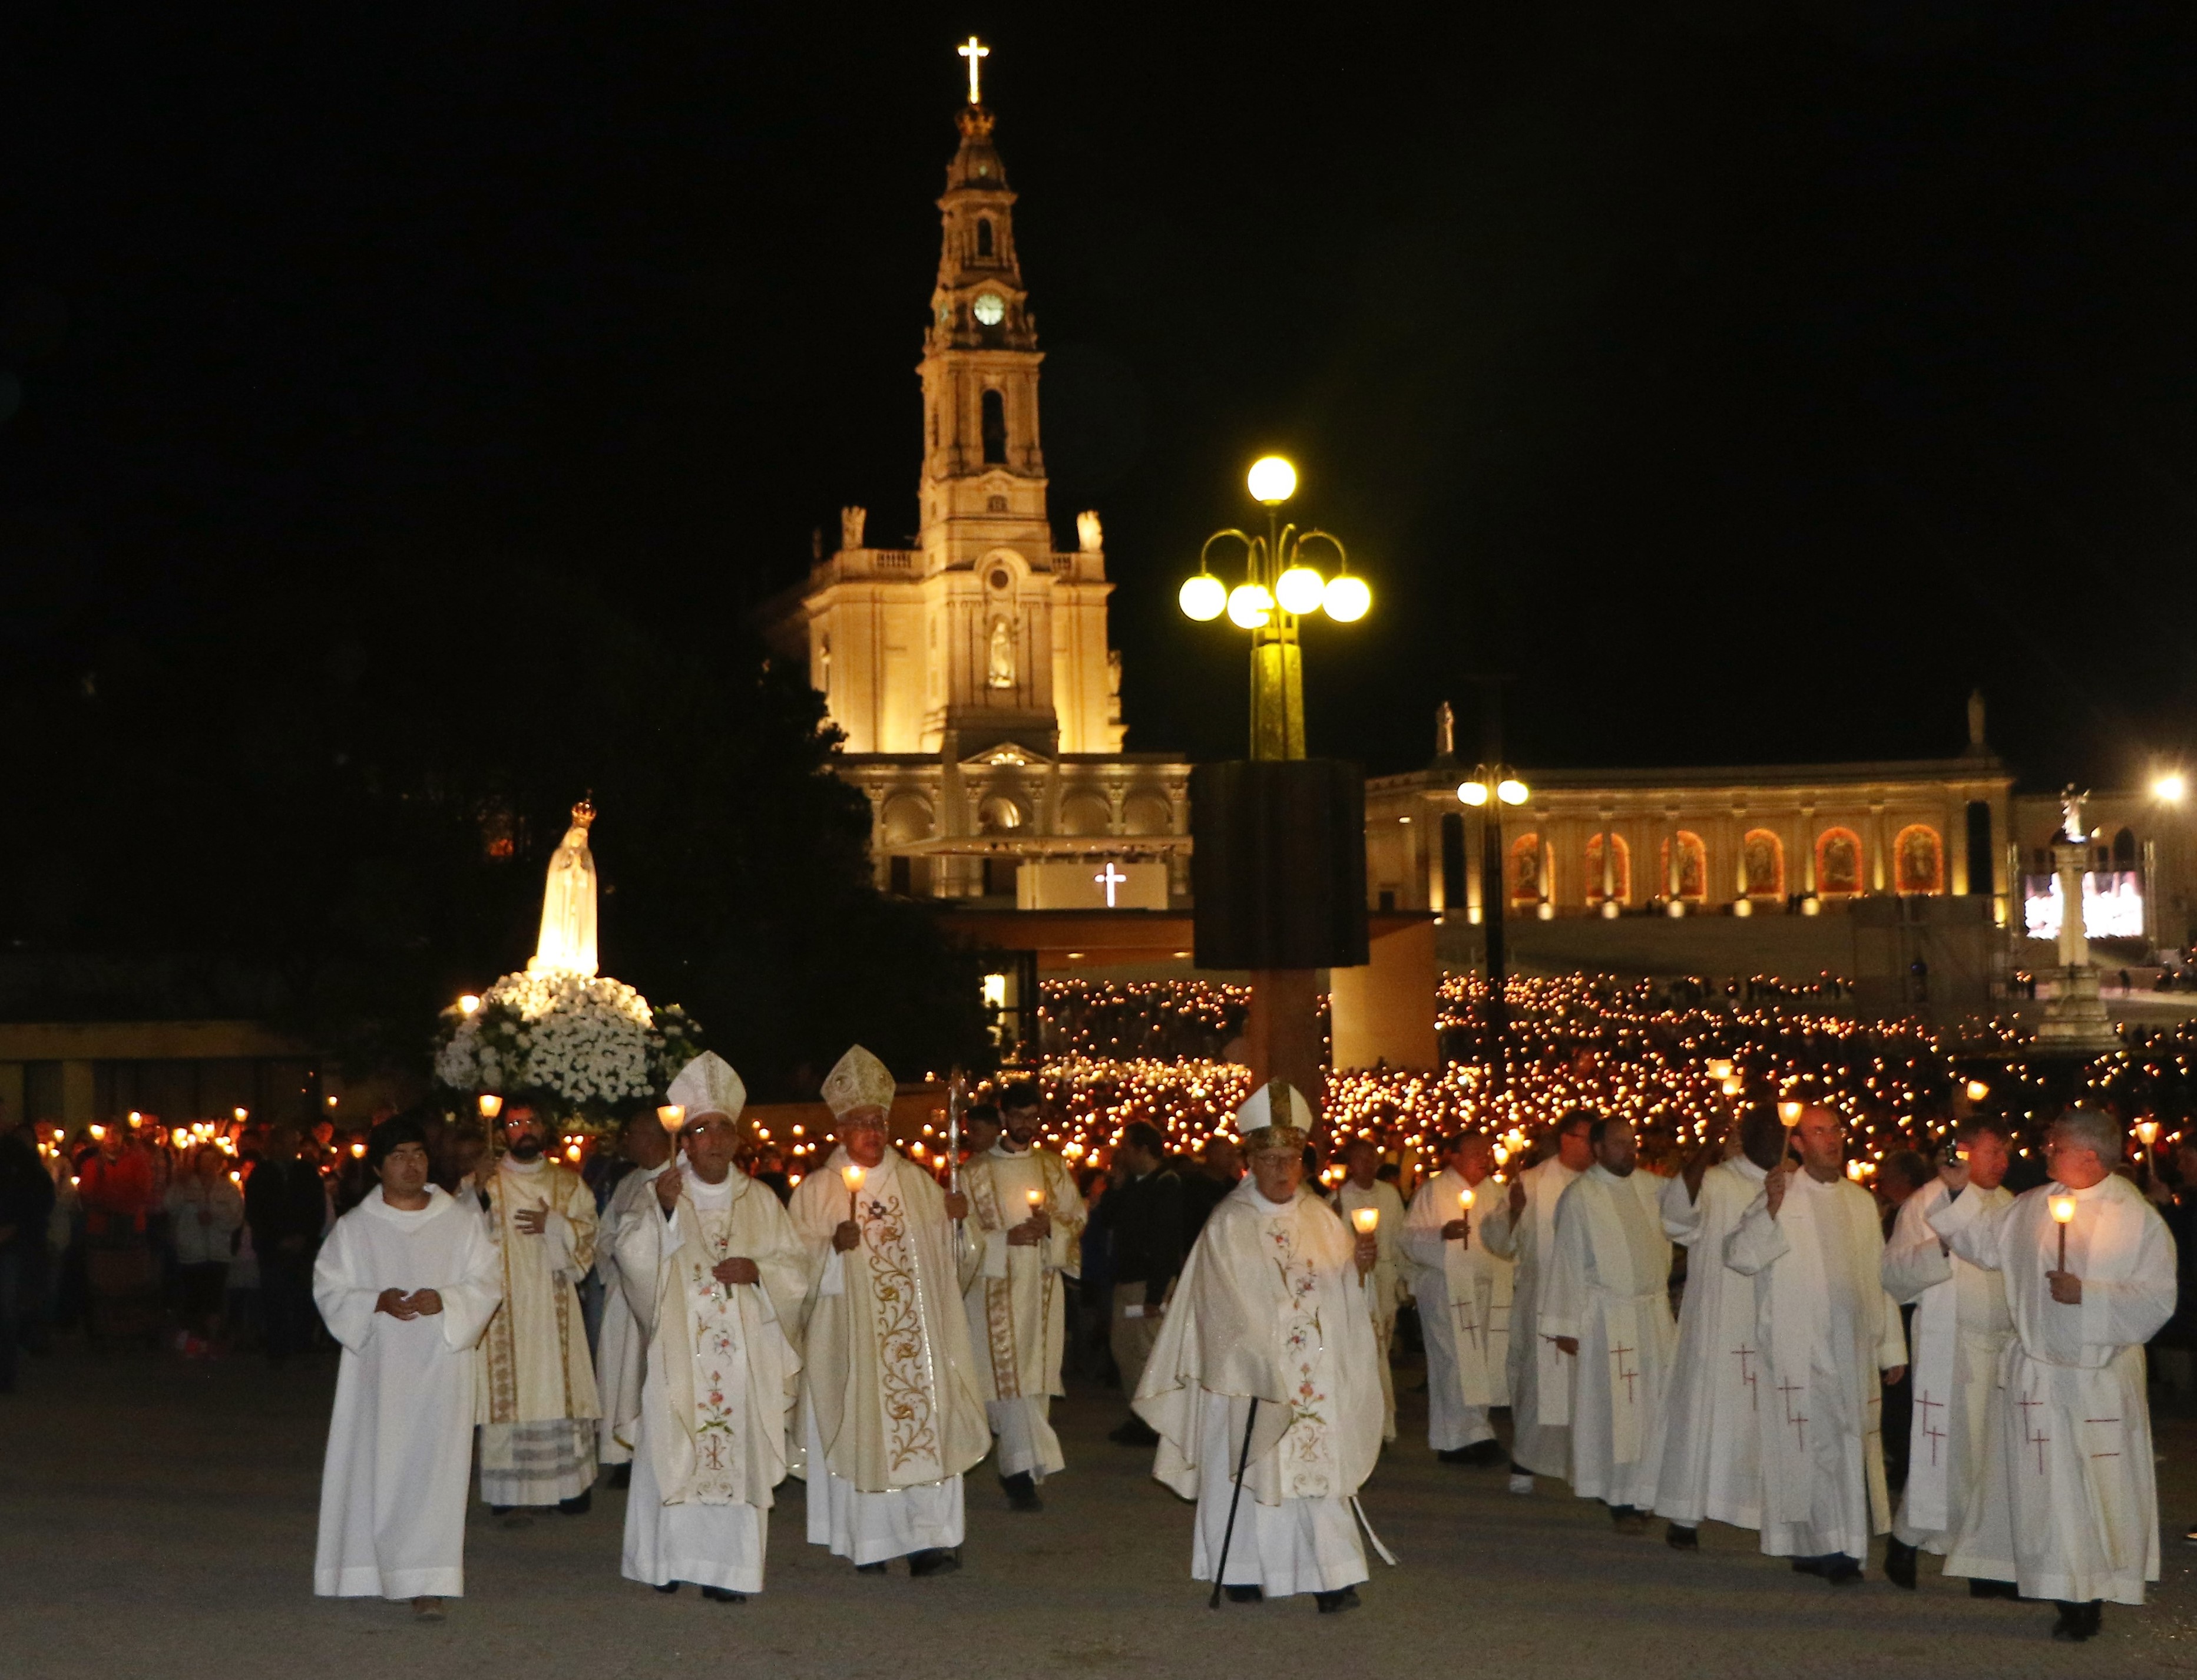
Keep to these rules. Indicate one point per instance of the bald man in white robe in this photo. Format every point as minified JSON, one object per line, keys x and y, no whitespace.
{"x":2068,"y":1504}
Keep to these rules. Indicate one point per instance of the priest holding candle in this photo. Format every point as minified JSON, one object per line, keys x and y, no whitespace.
{"x":724,"y":1279}
{"x":1464,"y":1293}
{"x":1027,"y":1215}
{"x":2068,"y":1507}
{"x":1375,"y":1209}
{"x":891,"y":1414}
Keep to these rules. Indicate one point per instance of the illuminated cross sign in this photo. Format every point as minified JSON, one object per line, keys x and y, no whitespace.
{"x":1111,"y":878}
{"x":976,"y":52}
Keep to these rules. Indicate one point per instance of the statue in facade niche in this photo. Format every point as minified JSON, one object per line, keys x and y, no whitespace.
{"x":1000,"y":668}
{"x":1090,"y":535}
{"x":852,"y":520}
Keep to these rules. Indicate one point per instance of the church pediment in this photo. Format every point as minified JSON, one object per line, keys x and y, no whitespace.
{"x":1006,"y":755}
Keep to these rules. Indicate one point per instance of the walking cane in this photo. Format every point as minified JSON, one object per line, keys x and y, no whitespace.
{"x":1228,"y":1534}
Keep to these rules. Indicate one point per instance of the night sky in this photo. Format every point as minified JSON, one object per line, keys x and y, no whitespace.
{"x":1747,"y":380}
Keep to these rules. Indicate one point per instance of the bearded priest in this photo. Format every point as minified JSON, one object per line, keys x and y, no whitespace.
{"x":728,"y":1277}
{"x":538,"y":1402}
{"x":1262,"y":1385}
{"x":1025,"y":1211}
{"x":891,"y":1414}
{"x":1607,"y":1305}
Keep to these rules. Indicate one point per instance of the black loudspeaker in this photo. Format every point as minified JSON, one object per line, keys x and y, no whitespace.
{"x":1278,"y":866}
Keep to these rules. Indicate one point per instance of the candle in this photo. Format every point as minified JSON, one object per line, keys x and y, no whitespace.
{"x":1789,"y":1113}
{"x":1465,"y":1199}
{"x":671,"y":1117}
{"x":2063,"y":1210}
{"x":1720,"y":1069}
{"x":2146,"y":1132}
{"x":1977,"y":1090}
{"x":852,"y":1176}
{"x":1367,"y":1219}
{"x":1033,"y":1197}
{"x":491,"y":1105}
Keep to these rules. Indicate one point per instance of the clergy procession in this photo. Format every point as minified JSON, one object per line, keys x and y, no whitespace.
{"x":878,"y":1329}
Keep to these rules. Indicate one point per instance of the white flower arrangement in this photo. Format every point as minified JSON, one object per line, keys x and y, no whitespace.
{"x":591,"y":1040}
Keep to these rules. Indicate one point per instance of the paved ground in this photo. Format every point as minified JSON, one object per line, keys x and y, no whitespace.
{"x":158,"y":1519}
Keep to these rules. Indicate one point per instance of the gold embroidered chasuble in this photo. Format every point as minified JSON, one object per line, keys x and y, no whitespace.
{"x":888,"y":1371}
{"x":1017,"y":1311}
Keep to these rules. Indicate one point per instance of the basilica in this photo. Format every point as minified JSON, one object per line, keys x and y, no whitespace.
{"x":970,"y":677}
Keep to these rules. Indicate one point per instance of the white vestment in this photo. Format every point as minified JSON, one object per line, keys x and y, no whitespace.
{"x":890,"y":1412}
{"x":1016,"y":1305}
{"x":1463,"y":1293}
{"x":1961,"y":1326}
{"x":1826,"y":1328}
{"x":1268,"y":1311}
{"x":1384,"y":1284}
{"x":1608,"y":1288}
{"x":1539,"y":1376}
{"x":393,"y":1485}
{"x":2069,"y":1503}
{"x":722,"y":1375}
{"x":537,"y":1400}
{"x":622,"y":1348}
{"x":1712,"y":1466}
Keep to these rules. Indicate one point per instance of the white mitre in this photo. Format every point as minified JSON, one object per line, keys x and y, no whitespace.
{"x":1277,"y":1117}
{"x":858,"y":1081}
{"x":708,"y":1085}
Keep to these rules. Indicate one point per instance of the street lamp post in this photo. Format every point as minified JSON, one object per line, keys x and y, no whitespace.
{"x":1280,"y":588}
{"x":1487,"y":790}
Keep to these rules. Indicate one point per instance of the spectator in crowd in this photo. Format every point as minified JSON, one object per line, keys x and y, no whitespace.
{"x":1143,"y":1220}
{"x":287,"y":1209}
{"x":26,"y":1202}
{"x":206,"y":1211}
{"x":117,"y":1188}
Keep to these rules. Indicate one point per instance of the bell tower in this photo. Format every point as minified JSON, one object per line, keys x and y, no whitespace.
{"x":981,"y":636}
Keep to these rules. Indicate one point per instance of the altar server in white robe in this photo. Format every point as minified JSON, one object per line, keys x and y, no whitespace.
{"x":405,"y":1283}
{"x":1027,"y":1215}
{"x":891,"y":1415}
{"x":1268,"y":1341}
{"x":1961,"y":1328}
{"x":1522,"y":1229}
{"x":622,"y":1349}
{"x":1362,"y":1188}
{"x":1463,"y":1293}
{"x":1813,"y":1245}
{"x":1606,"y":1304}
{"x":538,"y":1402}
{"x":1712,"y":1463}
{"x":729,"y":1277}
{"x":2069,"y":1503}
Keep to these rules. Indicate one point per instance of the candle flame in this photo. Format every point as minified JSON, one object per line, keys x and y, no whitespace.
{"x":671,"y":1117}
{"x":853,"y":1177}
{"x":2063,"y":1208}
{"x":1464,"y":1198}
{"x":1033,"y":1197}
{"x":1367,"y":1219}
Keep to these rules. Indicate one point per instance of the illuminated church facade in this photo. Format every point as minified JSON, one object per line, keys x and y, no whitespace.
{"x":971,"y":676}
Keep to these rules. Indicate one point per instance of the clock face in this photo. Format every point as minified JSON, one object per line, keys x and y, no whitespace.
{"x":990,"y":309}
